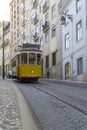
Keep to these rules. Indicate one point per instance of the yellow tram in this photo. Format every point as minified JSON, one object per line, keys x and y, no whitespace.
{"x":26,"y":64}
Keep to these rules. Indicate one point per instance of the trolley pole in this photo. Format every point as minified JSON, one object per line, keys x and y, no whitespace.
{"x":3,"y":71}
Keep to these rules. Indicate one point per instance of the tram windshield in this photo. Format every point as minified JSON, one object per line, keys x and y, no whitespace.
{"x":38,"y":59}
{"x":32,"y":58}
{"x":23,"y":58}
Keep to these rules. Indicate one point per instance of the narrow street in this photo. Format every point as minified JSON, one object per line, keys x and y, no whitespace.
{"x":56,"y":105}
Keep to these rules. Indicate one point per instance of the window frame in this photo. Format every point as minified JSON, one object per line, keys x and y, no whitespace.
{"x":67,"y":41}
{"x":53,"y":31}
{"x":78,"y":5}
{"x":79,"y":33}
{"x":53,"y":11}
{"x":54,"y":58}
{"x":47,"y":62}
{"x":46,"y":37}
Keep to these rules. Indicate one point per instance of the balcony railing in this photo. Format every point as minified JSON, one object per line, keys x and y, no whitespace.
{"x":35,"y":20}
{"x":46,"y":26}
{"x":36,"y":36}
{"x":35,"y":3}
{"x":45,"y":6}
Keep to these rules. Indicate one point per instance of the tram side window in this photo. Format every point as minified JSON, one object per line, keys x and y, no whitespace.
{"x":32,"y":58}
{"x":14,"y":62}
{"x":38,"y":59}
{"x":23,"y":58}
{"x":18,"y":59}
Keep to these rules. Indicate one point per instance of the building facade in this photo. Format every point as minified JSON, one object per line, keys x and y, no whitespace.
{"x":5,"y":43}
{"x":38,"y":24}
{"x":14,"y":25}
{"x":64,"y":46}
{"x":74,"y":39}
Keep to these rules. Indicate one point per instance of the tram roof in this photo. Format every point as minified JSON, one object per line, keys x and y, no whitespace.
{"x":28,"y":45}
{"x":29,"y":51}
{"x":28,"y":48}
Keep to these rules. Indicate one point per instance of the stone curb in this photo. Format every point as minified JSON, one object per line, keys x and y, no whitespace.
{"x":26,"y":116}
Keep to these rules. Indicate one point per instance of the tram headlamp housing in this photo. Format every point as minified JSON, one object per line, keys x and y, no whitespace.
{"x":32,"y":72}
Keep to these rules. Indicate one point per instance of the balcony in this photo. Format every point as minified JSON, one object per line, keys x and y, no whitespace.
{"x":35,"y":20}
{"x":46,"y":26}
{"x":36,"y":36}
{"x":23,"y":11}
{"x":45,"y":6}
{"x":35,"y":3}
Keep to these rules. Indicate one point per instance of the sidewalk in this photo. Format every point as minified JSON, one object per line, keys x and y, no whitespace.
{"x":67,"y":82}
{"x":14,"y":113}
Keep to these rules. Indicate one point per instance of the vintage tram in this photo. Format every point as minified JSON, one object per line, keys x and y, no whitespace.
{"x":26,"y":64}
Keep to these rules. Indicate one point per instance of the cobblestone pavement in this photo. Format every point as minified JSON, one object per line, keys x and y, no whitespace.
{"x":10,"y":118}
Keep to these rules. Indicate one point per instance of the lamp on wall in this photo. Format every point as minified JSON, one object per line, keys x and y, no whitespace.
{"x":63,"y":18}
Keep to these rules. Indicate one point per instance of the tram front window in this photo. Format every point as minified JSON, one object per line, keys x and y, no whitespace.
{"x":23,"y":58}
{"x":32,"y":58}
{"x":38,"y":59}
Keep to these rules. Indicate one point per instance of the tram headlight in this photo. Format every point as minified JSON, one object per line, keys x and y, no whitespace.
{"x":32,"y":72}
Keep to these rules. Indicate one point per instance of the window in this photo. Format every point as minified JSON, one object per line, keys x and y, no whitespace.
{"x":32,"y":58}
{"x":18,"y":59}
{"x":67,"y":44}
{"x":36,"y":12}
{"x":78,"y":5}
{"x":18,"y":21}
{"x":24,"y":58}
{"x":67,"y":71}
{"x":46,"y":36}
{"x":41,"y":7}
{"x":17,"y":32}
{"x":53,"y":31}
{"x":53,"y":11}
{"x":38,"y":59}
{"x":46,"y":17}
{"x":32,"y":34}
{"x":79,"y":31}
{"x":41,"y":41}
{"x":54,"y":58}
{"x":47,"y":61}
{"x":36,"y":29}
{"x":41,"y":23}
{"x":14,"y":35}
{"x":79,"y":66}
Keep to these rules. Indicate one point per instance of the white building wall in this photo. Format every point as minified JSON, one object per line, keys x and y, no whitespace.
{"x":77,"y":49}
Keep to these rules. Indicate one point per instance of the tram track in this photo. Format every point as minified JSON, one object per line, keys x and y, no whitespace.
{"x":60,"y":99}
